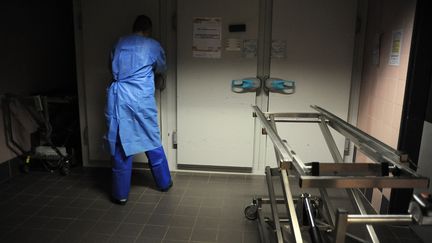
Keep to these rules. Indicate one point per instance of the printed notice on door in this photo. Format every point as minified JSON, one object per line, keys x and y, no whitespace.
{"x":207,"y":37}
{"x":395,"y":50}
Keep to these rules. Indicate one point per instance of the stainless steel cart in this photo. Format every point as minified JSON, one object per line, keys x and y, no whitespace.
{"x":317,"y":215}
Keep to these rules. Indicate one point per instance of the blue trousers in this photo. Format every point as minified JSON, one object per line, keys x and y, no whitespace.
{"x":122,"y":170}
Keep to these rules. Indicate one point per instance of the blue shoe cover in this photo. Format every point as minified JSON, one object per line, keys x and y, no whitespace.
{"x":159,"y":168}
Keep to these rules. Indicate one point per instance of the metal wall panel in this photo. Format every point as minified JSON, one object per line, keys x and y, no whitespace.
{"x":215,"y":125}
{"x":319,"y":39}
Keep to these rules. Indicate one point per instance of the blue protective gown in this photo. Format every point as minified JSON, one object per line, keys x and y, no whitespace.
{"x":131,"y":107}
{"x":131,"y":112}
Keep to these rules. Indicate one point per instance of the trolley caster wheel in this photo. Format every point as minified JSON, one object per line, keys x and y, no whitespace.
{"x":251,"y":212}
{"x":65,"y":169}
{"x":25,"y":169}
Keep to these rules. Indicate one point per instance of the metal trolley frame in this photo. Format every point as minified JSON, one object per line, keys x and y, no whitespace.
{"x":318,"y":215}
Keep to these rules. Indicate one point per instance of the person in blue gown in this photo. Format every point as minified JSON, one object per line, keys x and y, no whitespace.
{"x":131,"y":112}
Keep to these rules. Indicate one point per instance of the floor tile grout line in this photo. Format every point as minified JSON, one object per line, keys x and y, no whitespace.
{"x":178,"y":205}
{"x":96,"y":222}
{"x":194,"y":225}
{"x":118,"y":226}
{"x":182,"y":195}
{"x":150,"y":215}
{"x":76,"y":218}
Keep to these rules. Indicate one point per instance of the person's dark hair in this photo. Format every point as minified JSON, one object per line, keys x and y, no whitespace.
{"x":142,"y":23}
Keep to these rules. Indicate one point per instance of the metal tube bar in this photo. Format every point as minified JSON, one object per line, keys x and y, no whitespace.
{"x":360,"y":138}
{"x":379,"y":219}
{"x":356,"y":199}
{"x":353,"y":130}
{"x":341,"y":226}
{"x":273,"y":205}
{"x":277,"y":141}
{"x":298,"y":164}
{"x":368,"y":208}
{"x":334,"y":151}
{"x":297,"y":121}
{"x":300,"y":210}
{"x":293,"y":114}
{"x":327,"y":206}
{"x":348,"y":169}
{"x":277,"y":154}
{"x":419,"y":200}
{"x":282,"y":220}
{"x":295,"y":228}
{"x":356,"y":238}
{"x":278,"y":200}
{"x":284,"y":150}
{"x":338,"y":159}
{"x":262,"y":227}
{"x":362,"y":182}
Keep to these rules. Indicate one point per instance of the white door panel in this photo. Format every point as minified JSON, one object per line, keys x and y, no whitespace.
{"x":215,"y":126}
{"x":320,"y":41}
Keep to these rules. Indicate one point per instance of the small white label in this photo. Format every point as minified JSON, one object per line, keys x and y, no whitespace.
{"x":395,"y":49}
{"x":233,"y":44}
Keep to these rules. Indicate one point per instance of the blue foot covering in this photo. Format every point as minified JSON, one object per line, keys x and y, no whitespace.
{"x":159,"y":168}
{"x":121,"y":174}
{"x":122,"y":169}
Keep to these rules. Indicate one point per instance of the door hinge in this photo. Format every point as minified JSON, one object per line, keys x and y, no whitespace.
{"x":358,"y":25}
{"x":85,"y":136}
{"x":174,"y":22}
{"x":174,"y":139}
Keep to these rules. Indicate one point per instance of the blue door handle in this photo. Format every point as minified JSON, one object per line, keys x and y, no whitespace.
{"x":281,"y":86}
{"x":245,"y":85}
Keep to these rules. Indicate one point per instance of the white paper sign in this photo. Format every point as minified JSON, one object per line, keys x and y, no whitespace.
{"x":278,"y":49}
{"x":249,"y":48}
{"x":233,"y":44}
{"x":395,"y":49}
{"x":207,"y":37}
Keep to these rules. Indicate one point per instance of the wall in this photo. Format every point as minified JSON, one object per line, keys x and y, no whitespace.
{"x":383,"y":85}
{"x":425,"y":156}
{"x":37,"y":54}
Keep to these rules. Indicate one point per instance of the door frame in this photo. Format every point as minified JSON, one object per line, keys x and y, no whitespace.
{"x":416,"y":98}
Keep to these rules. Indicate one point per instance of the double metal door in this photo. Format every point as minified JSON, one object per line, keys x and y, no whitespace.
{"x":312,"y":44}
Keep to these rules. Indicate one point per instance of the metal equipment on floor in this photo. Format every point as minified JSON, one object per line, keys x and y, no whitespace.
{"x":317,"y":215}
{"x":49,"y":144}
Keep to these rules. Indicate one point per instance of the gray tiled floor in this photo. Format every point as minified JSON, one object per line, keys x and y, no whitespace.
{"x":42,"y":207}
{"x":200,"y":207}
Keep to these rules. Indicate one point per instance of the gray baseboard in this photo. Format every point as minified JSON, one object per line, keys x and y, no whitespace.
{"x":215,"y":168}
{"x":9,"y":169}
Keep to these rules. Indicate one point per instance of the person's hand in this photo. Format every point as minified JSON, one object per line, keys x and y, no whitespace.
{"x":160,"y":81}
